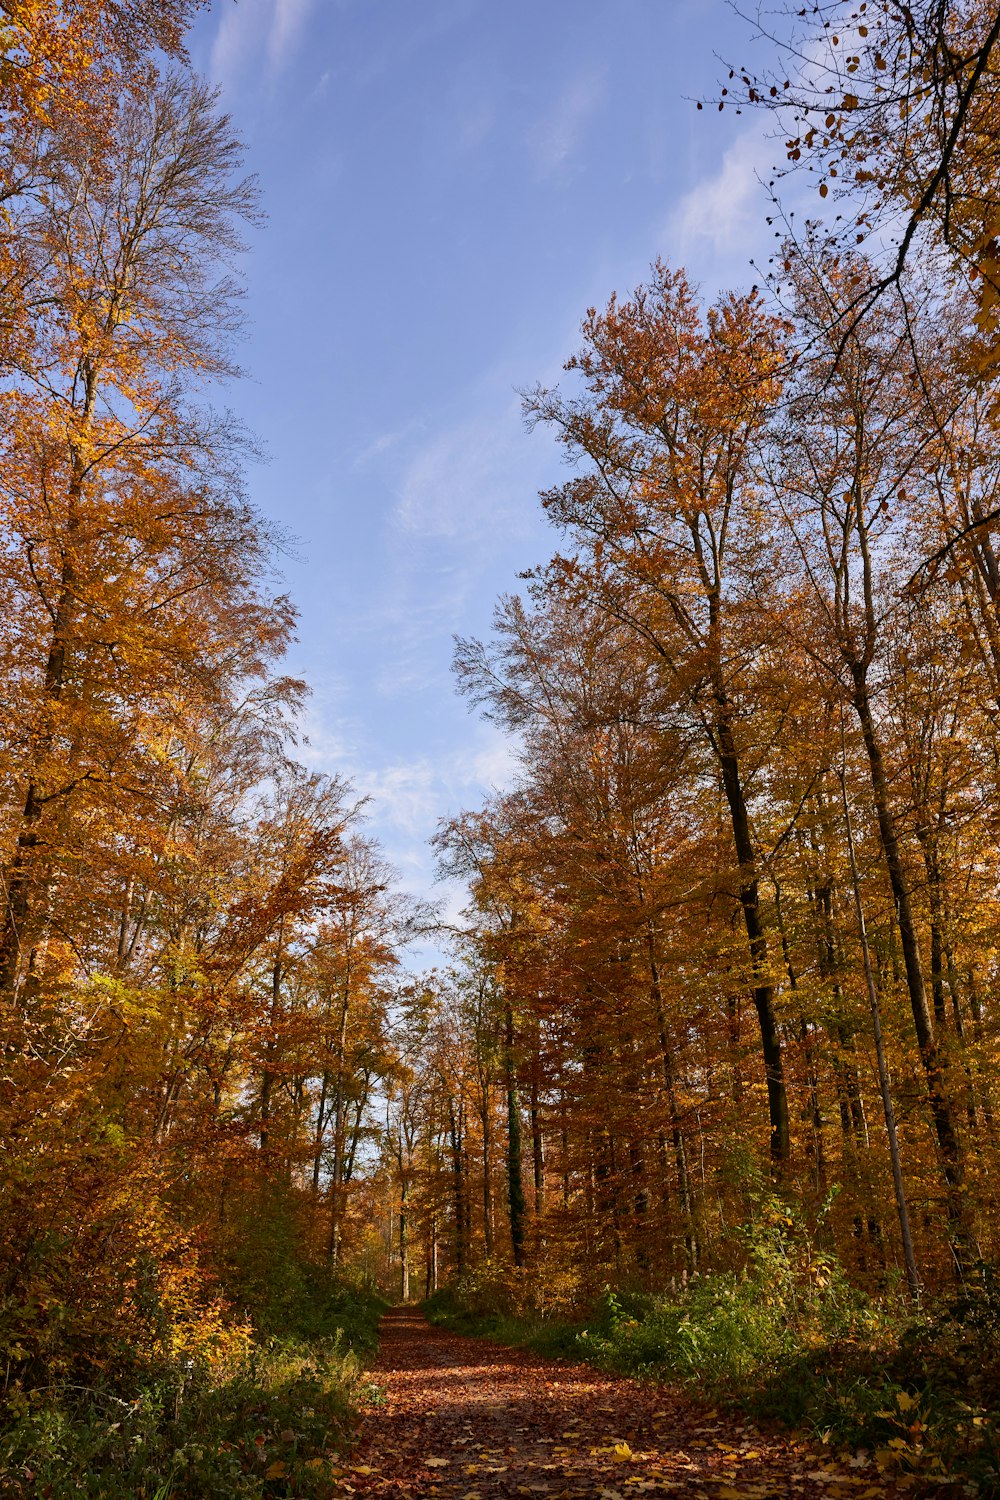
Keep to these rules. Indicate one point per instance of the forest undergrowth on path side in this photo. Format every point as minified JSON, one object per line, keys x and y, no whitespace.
{"x":268,"y":1420}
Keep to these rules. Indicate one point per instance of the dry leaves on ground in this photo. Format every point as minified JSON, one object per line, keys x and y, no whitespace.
{"x":465,"y":1418}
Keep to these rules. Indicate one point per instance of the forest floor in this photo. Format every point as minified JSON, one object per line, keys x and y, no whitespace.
{"x":464,"y":1417}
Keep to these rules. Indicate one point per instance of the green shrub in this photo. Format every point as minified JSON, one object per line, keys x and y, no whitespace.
{"x":266,"y":1428}
{"x":267,"y":1423}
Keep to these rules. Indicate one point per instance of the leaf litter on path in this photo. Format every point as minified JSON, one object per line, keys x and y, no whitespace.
{"x":465,"y":1419}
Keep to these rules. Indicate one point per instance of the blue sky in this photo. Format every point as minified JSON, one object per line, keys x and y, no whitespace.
{"x":449,"y":185}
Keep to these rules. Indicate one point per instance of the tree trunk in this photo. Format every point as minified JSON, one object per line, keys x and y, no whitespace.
{"x":457,"y":1187}
{"x":404,"y":1241}
{"x":941,"y":1115}
{"x":763,"y":990}
{"x":912,"y":1274}
{"x":515,"y":1186}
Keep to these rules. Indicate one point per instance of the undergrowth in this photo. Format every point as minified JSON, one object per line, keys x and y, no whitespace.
{"x":787,"y":1339}
{"x":264,"y":1420}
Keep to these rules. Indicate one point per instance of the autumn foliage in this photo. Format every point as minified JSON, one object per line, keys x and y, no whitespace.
{"x":723,"y":1000}
{"x":197,"y":941}
{"x":754,"y":701}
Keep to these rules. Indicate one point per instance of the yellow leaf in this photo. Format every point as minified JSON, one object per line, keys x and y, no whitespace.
{"x":622,"y":1452}
{"x":276,"y":1470}
{"x":905,"y":1401}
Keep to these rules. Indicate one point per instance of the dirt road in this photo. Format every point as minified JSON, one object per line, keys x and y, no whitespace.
{"x":464,"y":1417}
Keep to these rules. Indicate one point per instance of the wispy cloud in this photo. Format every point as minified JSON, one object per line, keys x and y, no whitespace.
{"x":463,"y":478}
{"x":465,"y":495}
{"x":404,"y":799}
{"x":256,"y":28}
{"x":724,"y":212}
{"x":287,"y":20}
{"x":553,"y":139}
{"x":407,"y":798}
{"x":475,"y":124}
{"x":231,"y":43}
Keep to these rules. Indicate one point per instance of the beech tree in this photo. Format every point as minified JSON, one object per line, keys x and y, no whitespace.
{"x":663,"y":522}
{"x":756,"y":581}
{"x":130,"y":564}
{"x":895,"y":107}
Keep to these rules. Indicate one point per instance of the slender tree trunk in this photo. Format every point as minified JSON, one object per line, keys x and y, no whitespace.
{"x":930,"y":1056}
{"x":487,"y":1178}
{"x":457,"y":1187}
{"x":515,"y":1186}
{"x":22,"y":874}
{"x":677,"y":1135}
{"x":537,"y":1153}
{"x":430,"y":1284}
{"x":404,"y":1239}
{"x":763,"y":990}
{"x":909,"y":1257}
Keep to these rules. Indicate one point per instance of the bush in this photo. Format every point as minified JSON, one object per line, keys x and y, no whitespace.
{"x":268,"y":1426}
{"x":259,"y":1418}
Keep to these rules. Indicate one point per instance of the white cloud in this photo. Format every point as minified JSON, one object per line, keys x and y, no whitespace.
{"x":724,"y":212}
{"x":386,"y":441}
{"x":475,"y":126}
{"x":406,"y":798}
{"x":410,"y":796}
{"x":232,"y":41}
{"x":287,"y":21}
{"x":553,"y":139}
{"x":256,"y":28}
{"x":466,"y":477}
{"x":403,"y":796}
{"x":321,"y":747}
{"x":493,"y":766}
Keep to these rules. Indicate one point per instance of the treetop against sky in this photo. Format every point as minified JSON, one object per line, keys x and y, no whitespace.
{"x":448,"y":187}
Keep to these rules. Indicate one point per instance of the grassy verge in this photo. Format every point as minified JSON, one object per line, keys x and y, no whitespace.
{"x":921,"y":1393}
{"x":267,"y":1421}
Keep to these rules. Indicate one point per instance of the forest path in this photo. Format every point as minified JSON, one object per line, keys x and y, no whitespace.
{"x":464,"y":1417}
